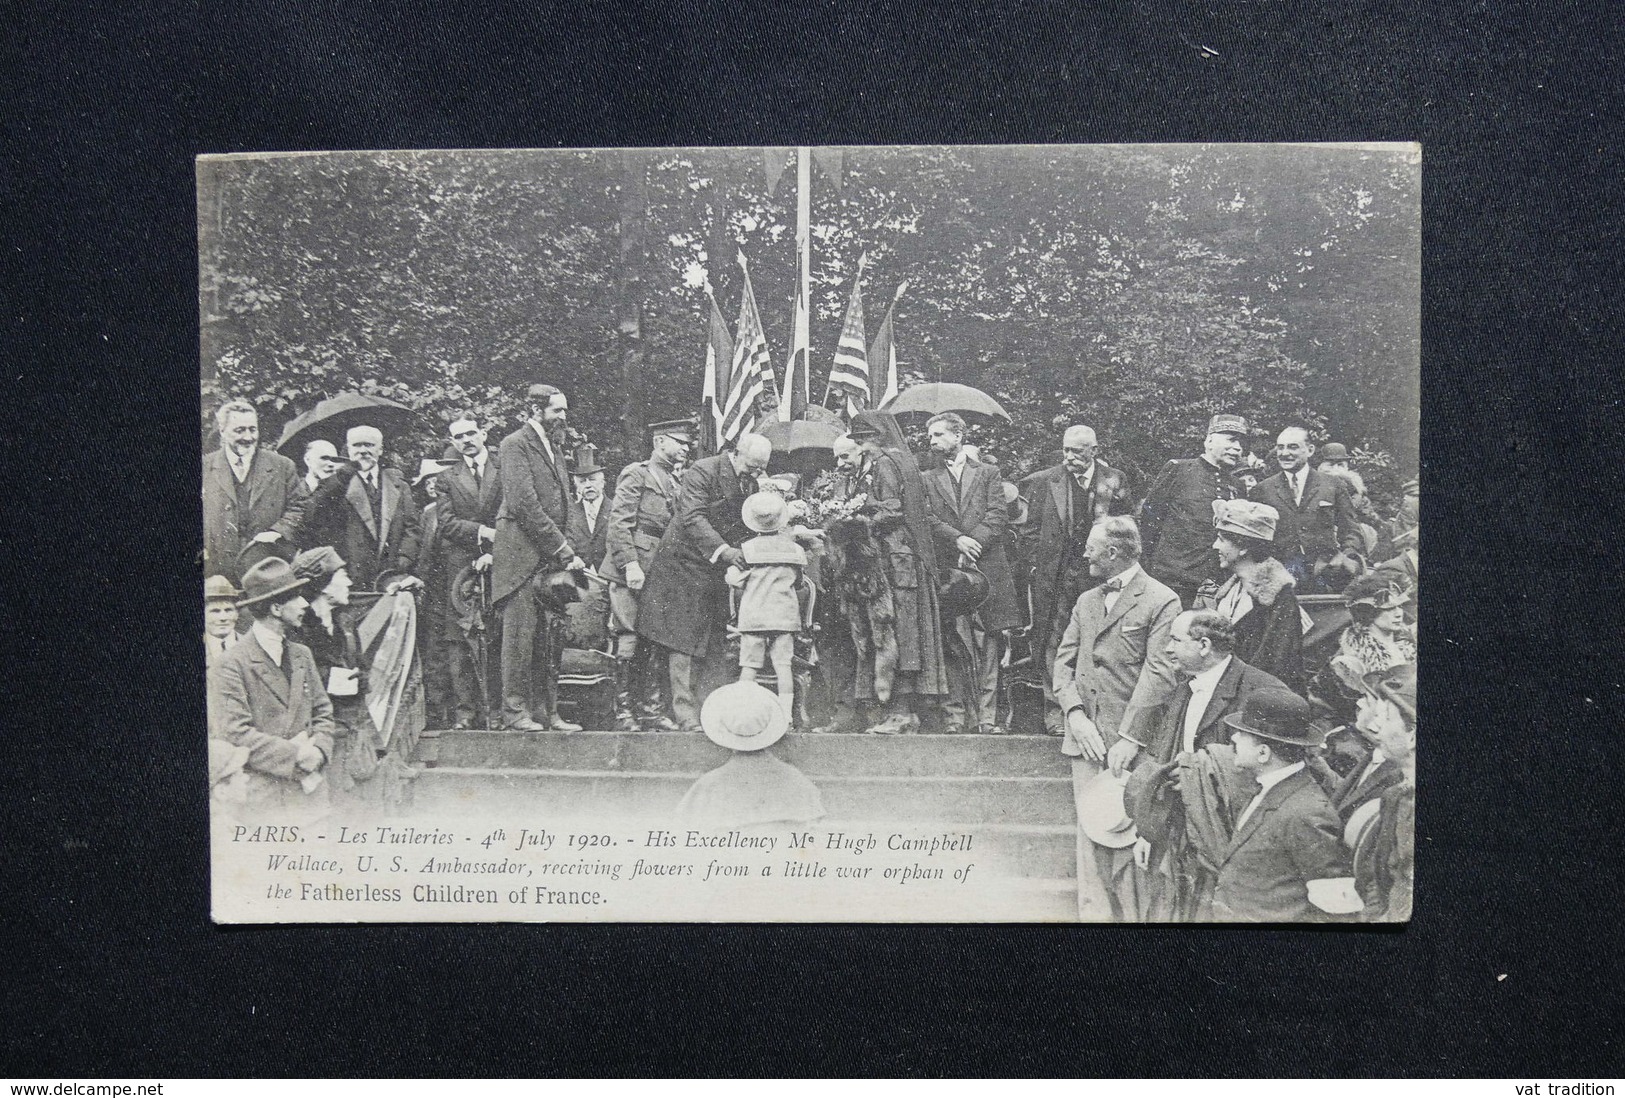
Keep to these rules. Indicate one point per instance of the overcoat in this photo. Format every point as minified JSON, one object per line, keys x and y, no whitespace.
{"x":253,"y":704}
{"x":975,"y":507}
{"x":534,"y":523}
{"x":1050,"y":528}
{"x":1292,"y":837}
{"x":1111,"y":663}
{"x":909,"y":568}
{"x":1176,"y":521}
{"x":1270,"y":635}
{"x":1316,"y":526}
{"x":276,"y":501}
{"x":1163,"y":733}
{"x":464,"y":508}
{"x":388,"y":545}
{"x":1352,"y":792}
{"x":684,"y":605}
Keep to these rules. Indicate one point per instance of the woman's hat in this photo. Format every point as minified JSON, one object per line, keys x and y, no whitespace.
{"x":1334,"y":451}
{"x":268,"y":579}
{"x":1244,"y":517}
{"x":765,"y":512}
{"x":1396,"y":684}
{"x":1101,"y":813}
{"x":318,"y":565}
{"x":216,"y":588}
{"x":743,"y":716}
{"x":1278,"y":715}
{"x":1378,"y":589}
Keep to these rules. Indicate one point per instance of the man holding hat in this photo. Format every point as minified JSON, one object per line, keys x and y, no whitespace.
{"x":470,"y":491}
{"x":265,"y":694}
{"x":1285,"y":862}
{"x":219,"y":618}
{"x":1316,"y":510}
{"x":645,"y":493}
{"x":1177,"y":519}
{"x":537,"y":534}
{"x":1260,"y":596}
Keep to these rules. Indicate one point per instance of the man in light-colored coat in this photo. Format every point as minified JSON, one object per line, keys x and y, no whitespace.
{"x":1111,"y":666}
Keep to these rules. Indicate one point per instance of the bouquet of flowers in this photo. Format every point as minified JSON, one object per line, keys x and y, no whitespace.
{"x":823,"y":508}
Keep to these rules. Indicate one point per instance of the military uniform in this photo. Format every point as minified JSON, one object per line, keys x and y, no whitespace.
{"x":1176,"y":524}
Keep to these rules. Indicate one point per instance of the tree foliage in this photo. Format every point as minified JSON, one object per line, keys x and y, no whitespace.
{"x":1135,"y":288}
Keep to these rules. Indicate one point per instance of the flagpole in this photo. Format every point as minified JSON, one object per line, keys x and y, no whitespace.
{"x":804,"y":242}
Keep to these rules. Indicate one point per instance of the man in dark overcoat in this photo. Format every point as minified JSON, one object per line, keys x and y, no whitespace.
{"x":249,"y":493}
{"x":536,"y":537}
{"x":382,"y":525}
{"x":1063,"y":502}
{"x":1176,"y":520}
{"x":967,"y":498}
{"x":1316,"y":510}
{"x":684,"y":607}
{"x":470,"y":497}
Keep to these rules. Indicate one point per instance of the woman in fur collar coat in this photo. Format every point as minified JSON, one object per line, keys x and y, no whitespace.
{"x":1259,"y":595}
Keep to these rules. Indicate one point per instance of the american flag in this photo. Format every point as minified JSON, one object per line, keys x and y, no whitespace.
{"x":752,"y":373}
{"x":849,"y":375}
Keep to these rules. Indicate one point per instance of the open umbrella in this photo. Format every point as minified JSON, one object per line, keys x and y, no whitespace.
{"x":336,"y":415}
{"x":946,"y":396}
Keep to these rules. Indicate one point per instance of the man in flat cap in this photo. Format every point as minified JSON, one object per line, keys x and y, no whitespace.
{"x":1316,"y":510}
{"x":1177,"y":519}
{"x":645,"y":494}
{"x":536,"y":537}
{"x":219,"y":618}
{"x":249,"y":493}
{"x":1064,"y":502}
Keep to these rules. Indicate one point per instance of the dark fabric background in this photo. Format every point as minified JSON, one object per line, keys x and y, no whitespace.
{"x":113,"y":967}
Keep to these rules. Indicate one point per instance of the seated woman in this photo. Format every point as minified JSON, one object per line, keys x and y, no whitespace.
{"x":1259,"y":596}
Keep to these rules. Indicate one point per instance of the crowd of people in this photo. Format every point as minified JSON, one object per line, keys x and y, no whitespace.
{"x":1227,"y":763}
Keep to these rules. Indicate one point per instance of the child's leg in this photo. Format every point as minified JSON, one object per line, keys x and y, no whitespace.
{"x":783,"y":655}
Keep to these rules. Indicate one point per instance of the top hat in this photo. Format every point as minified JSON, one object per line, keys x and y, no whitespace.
{"x":1227,"y":425}
{"x":1101,"y":812}
{"x":268,"y":579}
{"x":743,"y":716}
{"x":429,"y":467}
{"x":584,"y":462}
{"x":680,"y":429}
{"x":1244,"y":517}
{"x":216,"y":588}
{"x":961,"y":591}
{"x":765,"y":512}
{"x":1334,"y":451}
{"x":1279,"y":715}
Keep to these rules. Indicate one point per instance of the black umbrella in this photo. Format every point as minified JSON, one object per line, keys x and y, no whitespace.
{"x":334,"y":416}
{"x":800,"y":434}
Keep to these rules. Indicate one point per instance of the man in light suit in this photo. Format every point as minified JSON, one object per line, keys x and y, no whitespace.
{"x":1316,"y":510}
{"x":249,"y":494}
{"x":1063,"y":503}
{"x":537,"y":535}
{"x":470,"y":497}
{"x":967,"y":498}
{"x":265,"y":694}
{"x":1110,"y":666}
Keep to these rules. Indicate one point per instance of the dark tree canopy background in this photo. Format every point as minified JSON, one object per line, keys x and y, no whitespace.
{"x":1138,"y":289}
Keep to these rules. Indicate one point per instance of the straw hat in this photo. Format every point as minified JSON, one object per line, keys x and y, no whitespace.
{"x":743,"y":716}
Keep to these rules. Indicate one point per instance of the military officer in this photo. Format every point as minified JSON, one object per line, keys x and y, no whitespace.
{"x":1176,"y":522}
{"x":645,"y":493}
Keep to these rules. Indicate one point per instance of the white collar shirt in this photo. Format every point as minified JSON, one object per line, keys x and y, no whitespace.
{"x":1113,"y":587}
{"x":592,"y":508}
{"x":956,"y":467}
{"x":476,"y":465}
{"x":1296,"y":481}
{"x":1087,"y":479}
{"x":269,"y":640}
{"x":541,"y":433}
{"x":1267,"y":782}
{"x":1202,"y":687}
{"x":240,"y":463}
{"x":1377,"y":759}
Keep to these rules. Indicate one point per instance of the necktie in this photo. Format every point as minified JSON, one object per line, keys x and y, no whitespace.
{"x":747,"y":484}
{"x":1297,"y":488}
{"x":479,"y":481}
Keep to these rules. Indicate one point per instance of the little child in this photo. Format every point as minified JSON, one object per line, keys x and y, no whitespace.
{"x":767,"y":589}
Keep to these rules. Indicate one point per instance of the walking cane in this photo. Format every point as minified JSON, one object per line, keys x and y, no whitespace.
{"x":482,"y":652}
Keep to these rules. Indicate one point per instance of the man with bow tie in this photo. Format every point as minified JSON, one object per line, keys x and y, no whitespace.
{"x":249,"y":493}
{"x":536,"y":536}
{"x":1316,"y":510}
{"x":1110,"y":667}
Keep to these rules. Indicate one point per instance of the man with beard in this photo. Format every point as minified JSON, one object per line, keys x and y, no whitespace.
{"x":536,"y":534}
{"x":968,"y":496}
{"x":1064,"y":502}
{"x":645,"y":493}
{"x":249,"y":494}
{"x":1316,"y":510}
{"x":684,"y":607}
{"x":470,"y":496}
{"x":1177,"y":519}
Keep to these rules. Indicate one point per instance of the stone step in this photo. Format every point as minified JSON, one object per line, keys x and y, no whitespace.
{"x":828,"y":755}
{"x":976,"y":800}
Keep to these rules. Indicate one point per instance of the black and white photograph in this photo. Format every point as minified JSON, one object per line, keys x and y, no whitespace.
{"x":935,"y":534}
